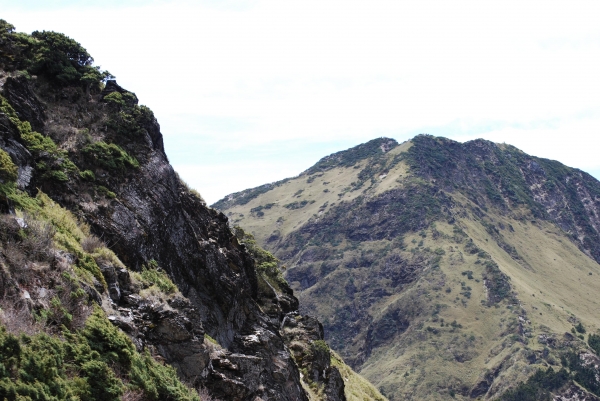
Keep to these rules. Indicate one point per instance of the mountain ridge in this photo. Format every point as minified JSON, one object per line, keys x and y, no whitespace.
{"x":346,"y":157}
{"x":424,"y":243}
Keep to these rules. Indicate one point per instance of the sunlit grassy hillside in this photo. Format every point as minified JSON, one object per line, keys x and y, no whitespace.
{"x":440,"y":270}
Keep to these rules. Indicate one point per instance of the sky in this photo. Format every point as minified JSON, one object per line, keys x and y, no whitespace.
{"x":250,"y":92}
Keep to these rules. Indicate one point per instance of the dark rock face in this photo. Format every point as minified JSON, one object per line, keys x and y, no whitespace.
{"x":305,"y":336}
{"x":154,"y":217}
{"x":9,"y":141}
{"x":21,"y":96}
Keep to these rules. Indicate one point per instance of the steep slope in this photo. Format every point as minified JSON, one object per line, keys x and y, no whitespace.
{"x":430,"y":262}
{"x":80,"y":157}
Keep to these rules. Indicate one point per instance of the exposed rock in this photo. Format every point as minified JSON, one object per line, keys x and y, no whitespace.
{"x":18,"y":91}
{"x":304,"y":336}
{"x":575,"y":393}
{"x":154,"y":217}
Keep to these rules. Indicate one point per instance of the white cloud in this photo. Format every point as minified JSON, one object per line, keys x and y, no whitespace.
{"x":265,"y":73}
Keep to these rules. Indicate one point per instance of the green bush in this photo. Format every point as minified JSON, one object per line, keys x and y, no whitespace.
{"x":159,"y":382}
{"x":42,"y":147}
{"x":8,"y":170}
{"x":87,"y":175}
{"x":35,"y":141}
{"x":59,"y":175}
{"x":111,"y":343}
{"x":106,"y":192}
{"x":110,"y":156}
{"x":154,"y":276}
{"x":320,"y":346}
{"x":105,"y":385}
{"x":86,"y":262}
{"x":63,"y":59}
{"x":115,"y":99}
{"x":82,"y":366}
{"x":130,"y":121}
{"x":538,"y":386}
{"x":594,"y":342}
{"x":42,"y":367}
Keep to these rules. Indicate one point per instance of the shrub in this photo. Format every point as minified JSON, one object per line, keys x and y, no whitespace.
{"x":83,"y":366}
{"x":266,"y":264}
{"x":110,"y":156}
{"x":297,"y":205}
{"x":41,"y":367}
{"x":88,"y":263}
{"x":538,"y":386}
{"x":154,"y":276}
{"x":87,"y":175}
{"x":594,"y":342}
{"x":8,"y":170}
{"x":115,"y":99}
{"x":110,"y":342}
{"x":320,"y":346}
{"x":42,"y":147}
{"x":91,"y":243}
{"x":106,"y":192}
{"x":59,"y":175}
{"x":468,"y":273}
{"x":105,"y":385}
{"x":159,"y":382}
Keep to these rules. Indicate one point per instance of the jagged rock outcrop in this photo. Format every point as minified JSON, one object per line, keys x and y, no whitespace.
{"x":305,"y":337}
{"x":147,"y":214}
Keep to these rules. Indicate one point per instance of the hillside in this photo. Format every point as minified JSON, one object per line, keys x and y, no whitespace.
{"x":443,"y":270}
{"x":117,"y":281}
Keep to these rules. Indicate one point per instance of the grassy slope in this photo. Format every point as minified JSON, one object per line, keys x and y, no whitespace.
{"x":552,"y":283}
{"x":357,"y":387}
{"x":557,"y":287}
{"x":337,"y":181}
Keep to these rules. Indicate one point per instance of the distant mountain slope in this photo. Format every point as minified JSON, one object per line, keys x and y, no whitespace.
{"x":440,"y":269}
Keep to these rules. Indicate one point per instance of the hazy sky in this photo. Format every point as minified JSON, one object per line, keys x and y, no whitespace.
{"x":249,"y":92}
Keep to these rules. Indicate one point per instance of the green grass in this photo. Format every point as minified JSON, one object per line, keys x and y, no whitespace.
{"x":357,"y":388}
{"x":153,"y":276}
{"x":110,"y":156}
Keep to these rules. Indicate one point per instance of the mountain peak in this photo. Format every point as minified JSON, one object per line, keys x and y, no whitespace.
{"x":433,"y":258}
{"x":349,"y":157}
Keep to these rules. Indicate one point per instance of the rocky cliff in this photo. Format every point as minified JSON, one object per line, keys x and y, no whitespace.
{"x":84,"y":159}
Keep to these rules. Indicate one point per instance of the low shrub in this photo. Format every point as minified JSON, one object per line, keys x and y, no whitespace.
{"x":86,"y":365}
{"x":159,"y":382}
{"x":8,"y":170}
{"x":110,"y":156}
{"x":153,"y":275}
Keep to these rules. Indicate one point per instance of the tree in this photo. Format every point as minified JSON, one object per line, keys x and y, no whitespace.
{"x":6,"y":29}
{"x":61,"y":57}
